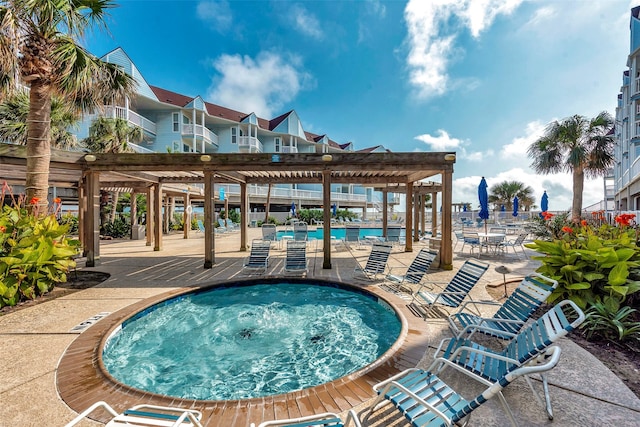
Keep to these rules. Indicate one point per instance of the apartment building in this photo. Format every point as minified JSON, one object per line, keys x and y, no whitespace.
{"x":178,"y":123}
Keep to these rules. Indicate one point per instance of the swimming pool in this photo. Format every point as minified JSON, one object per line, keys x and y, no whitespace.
{"x":338,"y":232}
{"x":251,"y":339}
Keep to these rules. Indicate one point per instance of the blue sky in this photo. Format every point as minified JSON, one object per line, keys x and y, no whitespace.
{"x":479,"y":77}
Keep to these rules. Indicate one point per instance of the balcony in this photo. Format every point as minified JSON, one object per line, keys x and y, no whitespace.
{"x":249,"y":144}
{"x":199,"y":131}
{"x":132,"y":117}
{"x":636,"y":89}
{"x":288,"y":149}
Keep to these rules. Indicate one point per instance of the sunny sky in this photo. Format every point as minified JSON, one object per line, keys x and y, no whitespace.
{"x":479,"y":77}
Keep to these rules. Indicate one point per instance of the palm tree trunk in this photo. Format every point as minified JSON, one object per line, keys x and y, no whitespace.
{"x":578,"y":187}
{"x":114,"y":205}
{"x":38,"y":147}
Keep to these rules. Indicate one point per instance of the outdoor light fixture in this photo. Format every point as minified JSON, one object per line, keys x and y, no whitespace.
{"x":450,"y":157}
{"x":90,"y":158}
{"x":327,"y":157}
{"x":205,"y":158}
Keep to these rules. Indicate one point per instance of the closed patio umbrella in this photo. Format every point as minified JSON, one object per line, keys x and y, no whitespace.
{"x":293,"y":209}
{"x":516,"y":206}
{"x":334,"y":209}
{"x":544,"y":202}
{"x":483,"y":197}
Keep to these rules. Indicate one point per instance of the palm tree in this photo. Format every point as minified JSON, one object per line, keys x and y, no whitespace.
{"x":13,"y":121}
{"x":112,"y":135}
{"x":38,"y":48}
{"x":578,"y":145}
{"x":504,"y":192}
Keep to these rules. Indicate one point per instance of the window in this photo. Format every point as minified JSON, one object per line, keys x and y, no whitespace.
{"x":234,"y":135}
{"x":277,"y":141}
{"x":176,"y":122}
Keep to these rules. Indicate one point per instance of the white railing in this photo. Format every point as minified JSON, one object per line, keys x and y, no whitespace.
{"x":132,"y":117}
{"x":288,"y":149}
{"x":637,"y":86}
{"x":289,"y":193}
{"x":250,"y":144}
{"x":139,"y":149}
{"x":199,"y":130}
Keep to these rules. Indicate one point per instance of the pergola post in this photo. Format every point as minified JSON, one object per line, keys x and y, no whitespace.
{"x":244,"y":217}
{"x":446,"y":249}
{"x":416,"y":216}
{"x":82,"y":213}
{"x":423,"y":214}
{"x":92,"y":219}
{"x":326,"y":204}
{"x":434,"y":214}
{"x":385,"y":215}
{"x":209,"y":229}
{"x":409,"y":218}
{"x":150,"y":209}
{"x":157,"y":217}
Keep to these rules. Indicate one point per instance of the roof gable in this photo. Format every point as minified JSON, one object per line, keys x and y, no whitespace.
{"x":119,"y":57}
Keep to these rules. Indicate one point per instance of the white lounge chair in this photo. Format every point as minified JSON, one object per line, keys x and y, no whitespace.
{"x":296,"y":259}
{"x":258,"y":259}
{"x":145,"y":416}
{"x":327,"y":419}
{"x":376,"y":262}
{"x":414,"y":274}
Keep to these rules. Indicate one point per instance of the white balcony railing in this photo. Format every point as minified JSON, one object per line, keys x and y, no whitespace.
{"x":637,"y":87}
{"x":289,"y":193}
{"x":288,"y":149}
{"x":201,"y":131}
{"x":132,"y":117}
{"x":249,"y":144}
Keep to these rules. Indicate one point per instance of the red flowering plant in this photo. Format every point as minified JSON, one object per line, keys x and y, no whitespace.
{"x":35,"y":250}
{"x":594,"y":262}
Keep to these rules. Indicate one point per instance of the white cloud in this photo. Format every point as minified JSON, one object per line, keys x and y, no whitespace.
{"x":432,"y":30}
{"x":518,"y":148}
{"x":306,"y":23}
{"x":261,"y":85}
{"x":441,"y":142}
{"x":217,"y":13}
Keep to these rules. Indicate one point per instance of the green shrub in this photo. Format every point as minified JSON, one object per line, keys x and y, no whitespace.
{"x":590,"y":264}
{"x":116,"y":229}
{"x":35,"y":252}
{"x":71,"y":220}
{"x":611,"y":322}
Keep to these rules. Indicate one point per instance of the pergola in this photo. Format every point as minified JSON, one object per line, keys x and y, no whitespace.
{"x":158,"y":173}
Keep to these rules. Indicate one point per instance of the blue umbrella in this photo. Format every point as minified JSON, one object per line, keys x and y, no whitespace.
{"x":483,"y":196}
{"x":544,"y":203}
{"x":464,"y":208}
{"x":515,"y":206}
{"x":293,"y":209}
{"x":334,"y":209}
{"x":502,"y":208}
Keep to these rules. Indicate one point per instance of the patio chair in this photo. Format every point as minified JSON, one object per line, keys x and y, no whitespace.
{"x":517,"y":243}
{"x":495,"y":240}
{"x":393,"y":235}
{"x":269,"y":232}
{"x":200,"y":226}
{"x":221,"y":228}
{"x":490,"y":366}
{"x":300,"y":231}
{"x":352,"y":235}
{"x":231,"y":226}
{"x":415,"y":273}
{"x":327,"y":419}
{"x":296,"y":259}
{"x":258,"y":259}
{"x":425,"y":399}
{"x":145,"y":416}
{"x":471,"y":239}
{"x":512,"y":314}
{"x":459,"y":238}
{"x":376,"y":262}
{"x":452,"y":295}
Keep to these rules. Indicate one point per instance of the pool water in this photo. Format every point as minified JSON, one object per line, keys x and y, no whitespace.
{"x":338,"y":233}
{"x":250,"y":341}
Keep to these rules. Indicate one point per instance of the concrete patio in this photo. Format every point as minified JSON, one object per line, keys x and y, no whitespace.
{"x":583,"y":391}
